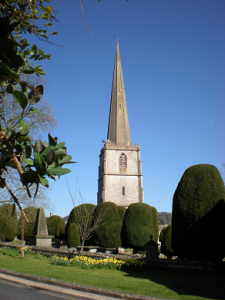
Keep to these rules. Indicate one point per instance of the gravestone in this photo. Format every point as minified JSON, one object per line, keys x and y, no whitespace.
{"x":152,"y":249}
{"x":41,"y":237}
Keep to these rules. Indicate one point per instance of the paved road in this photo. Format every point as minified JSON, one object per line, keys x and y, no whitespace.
{"x":12,"y":288}
{"x":16,"y":291}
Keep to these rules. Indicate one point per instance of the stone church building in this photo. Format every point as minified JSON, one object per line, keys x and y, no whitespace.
{"x":120,"y":172}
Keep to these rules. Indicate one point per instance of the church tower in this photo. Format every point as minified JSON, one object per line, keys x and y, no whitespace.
{"x":120,"y":173}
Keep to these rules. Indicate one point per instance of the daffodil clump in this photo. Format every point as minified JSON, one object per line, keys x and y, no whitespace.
{"x":86,"y":262}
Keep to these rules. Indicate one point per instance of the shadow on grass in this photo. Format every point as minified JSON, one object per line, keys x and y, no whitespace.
{"x":186,"y":283}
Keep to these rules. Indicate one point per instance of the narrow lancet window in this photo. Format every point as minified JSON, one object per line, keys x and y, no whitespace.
{"x":123,"y":190}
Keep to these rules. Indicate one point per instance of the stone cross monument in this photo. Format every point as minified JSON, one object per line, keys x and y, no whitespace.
{"x":120,"y":173}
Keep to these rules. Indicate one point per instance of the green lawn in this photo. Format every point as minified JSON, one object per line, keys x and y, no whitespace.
{"x":154,"y":283}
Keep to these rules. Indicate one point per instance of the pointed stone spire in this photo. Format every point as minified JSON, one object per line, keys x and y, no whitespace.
{"x":118,"y":130}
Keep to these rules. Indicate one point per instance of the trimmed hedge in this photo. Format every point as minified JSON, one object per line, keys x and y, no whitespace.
{"x":73,"y":238}
{"x":139,"y":225}
{"x":166,"y":243}
{"x":108,"y":235}
{"x":198,"y":214}
{"x":162,"y":232}
{"x":122,"y":211}
{"x":8,"y":222}
{"x":52,"y":223}
{"x":29,"y":228}
{"x":85,"y":210}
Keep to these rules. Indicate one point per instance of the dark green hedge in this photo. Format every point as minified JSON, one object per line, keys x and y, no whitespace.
{"x":73,"y":238}
{"x":84,"y":213}
{"x":52,"y":223}
{"x":166,"y":243}
{"x":162,"y":232}
{"x":198,"y":214}
{"x":139,"y":224}
{"x":30,"y":228}
{"x":108,"y":235}
{"x":122,"y":211}
{"x":8,"y":222}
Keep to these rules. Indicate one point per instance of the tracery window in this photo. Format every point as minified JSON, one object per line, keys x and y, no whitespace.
{"x":123,"y":160}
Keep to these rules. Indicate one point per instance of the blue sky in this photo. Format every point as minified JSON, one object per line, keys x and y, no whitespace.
{"x":172,"y":54}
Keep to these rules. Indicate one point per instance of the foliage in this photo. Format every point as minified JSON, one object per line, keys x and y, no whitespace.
{"x":83,"y":216}
{"x":8,"y":222}
{"x":85,"y":262}
{"x":33,"y":161}
{"x":198,"y":214}
{"x":155,"y":224}
{"x":73,"y":236}
{"x":60,"y":231}
{"x":29,"y":228}
{"x":108,"y":235}
{"x":122,"y":211}
{"x":162,"y":232}
{"x":139,"y":225}
{"x":166,"y":243}
{"x":44,"y":121}
{"x":52,"y":223}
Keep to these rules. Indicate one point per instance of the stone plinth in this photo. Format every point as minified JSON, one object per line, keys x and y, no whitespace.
{"x":41,"y":237}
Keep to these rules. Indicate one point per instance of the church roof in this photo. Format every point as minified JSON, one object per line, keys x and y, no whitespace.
{"x":118,"y":130}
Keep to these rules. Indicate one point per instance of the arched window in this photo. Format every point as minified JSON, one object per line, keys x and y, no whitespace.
{"x":123,"y":190}
{"x":123,"y":160}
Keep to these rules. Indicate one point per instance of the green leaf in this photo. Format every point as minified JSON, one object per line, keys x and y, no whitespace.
{"x":34,"y":97}
{"x":69,"y":162}
{"x":43,"y":180}
{"x":60,"y":146}
{"x":35,"y":48}
{"x":23,"y":139}
{"x":66,"y":158}
{"x":34,"y":110}
{"x":58,"y":171}
{"x":2,"y":183}
{"x":47,"y":150}
{"x":3,"y":129}
{"x":9,"y":89}
{"x":50,"y":157}
{"x":20,"y":98}
{"x":30,"y":162}
{"x":54,"y":33}
{"x":23,"y":87}
{"x":37,"y":157}
{"x":60,"y":152}
{"x":23,"y":127}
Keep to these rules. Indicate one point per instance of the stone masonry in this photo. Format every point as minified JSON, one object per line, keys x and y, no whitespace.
{"x":120,"y":173}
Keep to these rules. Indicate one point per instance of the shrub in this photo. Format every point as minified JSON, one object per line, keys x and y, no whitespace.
{"x":108,"y":235}
{"x":166,"y":243}
{"x":122,"y":211}
{"x":162,"y":232}
{"x":73,"y":238}
{"x":155,"y":223}
{"x":198,"y":214}
{"x":138,"y":226}
{"x":29,"y":228}
{"x":8,"y":222}
{"x":52,"y":223}
{"x":86,"y":211}
{"x":60,"y":231}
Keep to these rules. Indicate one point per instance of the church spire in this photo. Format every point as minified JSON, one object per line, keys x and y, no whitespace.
{"x":118,"y":130}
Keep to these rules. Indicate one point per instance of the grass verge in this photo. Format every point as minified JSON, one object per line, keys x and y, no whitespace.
{"x":154,"y":283}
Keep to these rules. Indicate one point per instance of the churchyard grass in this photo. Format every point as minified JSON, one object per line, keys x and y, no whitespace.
{"x":154,"y":283}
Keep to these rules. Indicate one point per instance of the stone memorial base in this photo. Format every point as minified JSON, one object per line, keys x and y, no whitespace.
{"x":41,"y":240}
